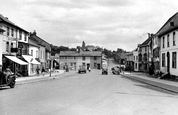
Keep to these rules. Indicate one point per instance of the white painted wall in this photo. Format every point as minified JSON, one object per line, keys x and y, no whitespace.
{"x":1,"y":48}
{"x":80,"y":61}
{"x":173,"y":71}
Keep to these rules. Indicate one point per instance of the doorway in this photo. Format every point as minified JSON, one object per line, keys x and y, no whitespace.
{"x":168,"y":62}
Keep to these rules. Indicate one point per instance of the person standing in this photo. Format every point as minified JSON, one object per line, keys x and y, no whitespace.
{"x":43,"y":71}
{"x":37,"y":70}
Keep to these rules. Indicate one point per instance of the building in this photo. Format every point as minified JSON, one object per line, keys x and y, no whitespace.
{"x":144,"y":54}
{"x":168,"y":36}
{"x":1,"y":46}
{"x":44,"y":50}
{"x":129,"y":61}
{"x":10,"y":34}
{"x":74,"y":59}
{"x":135,"y":60}
{"x":156,"y":53}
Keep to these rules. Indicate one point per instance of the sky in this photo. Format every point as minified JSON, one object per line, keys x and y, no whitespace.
{"x":109,"y":24}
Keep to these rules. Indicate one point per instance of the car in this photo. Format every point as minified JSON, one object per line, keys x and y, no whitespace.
{"x":104,"y":68}
{"x":116,"y":70}
{"x":82,"y":69}
{"x":7,"y":78}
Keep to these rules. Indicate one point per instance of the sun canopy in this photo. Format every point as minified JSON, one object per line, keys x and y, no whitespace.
{"x":16,"y":60}
{"x":30,"y":59}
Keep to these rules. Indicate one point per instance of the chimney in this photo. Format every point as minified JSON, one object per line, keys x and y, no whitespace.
{"x":149,"y":35}
{"x":34,"y":32}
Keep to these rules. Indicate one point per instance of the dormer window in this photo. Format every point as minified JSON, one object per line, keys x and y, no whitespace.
{"x":171,"y":23}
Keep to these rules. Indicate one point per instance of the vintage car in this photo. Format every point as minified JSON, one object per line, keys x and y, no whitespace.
{"x":104,"y":68}
{"x":7,"y":78}
{"x":116,"y":70}
{"x":82,"y":69}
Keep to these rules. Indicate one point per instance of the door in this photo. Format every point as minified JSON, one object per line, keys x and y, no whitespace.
{"x":168,"y":62}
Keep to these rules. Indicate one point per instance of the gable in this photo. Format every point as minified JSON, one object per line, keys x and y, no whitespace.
{"x":169,"y":26}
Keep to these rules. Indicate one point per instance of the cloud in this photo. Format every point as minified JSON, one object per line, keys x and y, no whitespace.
{"x":106,"y":23}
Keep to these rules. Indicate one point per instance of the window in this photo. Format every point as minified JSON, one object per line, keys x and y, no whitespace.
{"x":145,"y":49}
{"x":94,"y":65}
{"x":168,"y":40}
{"x":7,"y":46}
{"x":163,"y":60}
{"x":20,"y":35}
{"x":12,"y":32}
{"x":7,"y":31}
{"x":163,"y":41}
{"x":83,"y":58}
{"x":174,"y":39}
{"x":36,"y":54}
{"x":174,"y":56}
{"x":41,"y":55}
{"x":31,"y":52}
{"x":25,"y":39}
{"x":95,"y":58}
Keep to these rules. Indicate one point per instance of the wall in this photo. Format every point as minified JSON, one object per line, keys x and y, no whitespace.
{"x":173,"y":71}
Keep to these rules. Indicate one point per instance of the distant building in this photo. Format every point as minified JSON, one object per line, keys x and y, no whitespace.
{"x":135,"y":60}
{"x":74,"y":59}
{"x":144,"y":54}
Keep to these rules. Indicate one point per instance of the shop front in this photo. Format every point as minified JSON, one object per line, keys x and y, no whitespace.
{"x":33,"y":64}
{"x":12,"y":62}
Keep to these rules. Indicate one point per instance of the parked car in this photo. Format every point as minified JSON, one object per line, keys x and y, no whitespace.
{"x":116,"y":70}
{"x":104,"y":68}
{"x":7,"y":78}
{"x":82,"y":69}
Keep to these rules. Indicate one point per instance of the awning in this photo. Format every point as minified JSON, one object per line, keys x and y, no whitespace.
{"x":30,"y":59}
{"x":16,"y":60}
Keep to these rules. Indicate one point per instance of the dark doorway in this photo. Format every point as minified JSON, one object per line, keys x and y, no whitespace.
{"x":168,"y":62}
{"x":88,"y":65}
{"x":99,"y":66}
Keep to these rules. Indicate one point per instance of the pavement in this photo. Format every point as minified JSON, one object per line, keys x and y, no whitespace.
{"x":35,"y":78}
{"x":145,"y":78}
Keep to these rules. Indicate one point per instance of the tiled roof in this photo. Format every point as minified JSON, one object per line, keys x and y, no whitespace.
{"x":78,"y":54}
{"x":167,"y":26}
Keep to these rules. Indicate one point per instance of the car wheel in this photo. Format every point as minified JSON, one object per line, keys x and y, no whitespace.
{"x":12,"y":83}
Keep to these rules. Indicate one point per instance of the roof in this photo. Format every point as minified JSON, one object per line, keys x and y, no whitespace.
{"x":6,"y":20}
{"x":146,"y":42}
{"x":41,"y":42}
{"x":167,"y":27}
{"x":78,"y":54}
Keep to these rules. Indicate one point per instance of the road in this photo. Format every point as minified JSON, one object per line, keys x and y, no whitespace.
{"x":87,"y":94}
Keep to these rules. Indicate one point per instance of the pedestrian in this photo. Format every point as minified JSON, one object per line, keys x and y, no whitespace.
{"x":89,"y":69}
{"x":43,"y":71}
{"x":37,"y":70}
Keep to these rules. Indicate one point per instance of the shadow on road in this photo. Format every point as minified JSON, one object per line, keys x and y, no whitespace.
{"x":4,"y":88}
